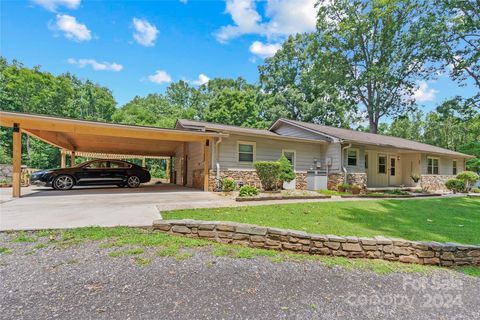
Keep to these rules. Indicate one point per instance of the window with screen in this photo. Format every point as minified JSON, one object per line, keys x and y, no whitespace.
{"x":352,"y":157}
{"x":246,"y":152}
{"x":382,"y":164}
{"x":432,"y":165}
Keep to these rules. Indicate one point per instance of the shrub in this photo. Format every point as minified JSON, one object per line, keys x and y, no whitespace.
{"x":228,"y":185}
{"x":286,"y":172}
{"x":269,"y":173}
{"x":248,"y":191}
{"x":415,"y":177}
{"x":342,"y":187}
{"x":475,"y":190}
{"x":355,"y":189}
{"x":456,"y":185}
{"x":468,"y":177}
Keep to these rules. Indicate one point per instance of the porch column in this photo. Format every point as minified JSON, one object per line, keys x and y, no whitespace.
{"x":143,"y":162}
{"x":206,"y":160}
{"x":171,"y":172}
{"x":63,"y":158}
{"x":16,"y":161}
{"x":72,"y":159}
{"x":167,"y":169}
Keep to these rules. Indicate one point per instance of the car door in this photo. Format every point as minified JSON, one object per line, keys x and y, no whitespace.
{"x":117,"y":171}
{"x":93,"y":172}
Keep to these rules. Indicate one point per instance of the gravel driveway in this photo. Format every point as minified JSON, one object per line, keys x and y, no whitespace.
{"x":84,"y":282}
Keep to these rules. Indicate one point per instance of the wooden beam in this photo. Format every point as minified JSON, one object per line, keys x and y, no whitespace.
{"x":206,"y":166}
{"x":72,"y":159}
{"x":63,"y":159}
{"x":17,"y":161}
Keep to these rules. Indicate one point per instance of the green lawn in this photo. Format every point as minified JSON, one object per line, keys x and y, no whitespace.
{"x":443,"y":220}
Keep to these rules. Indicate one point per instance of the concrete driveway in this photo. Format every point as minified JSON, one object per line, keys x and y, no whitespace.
{"x":44,"y":208}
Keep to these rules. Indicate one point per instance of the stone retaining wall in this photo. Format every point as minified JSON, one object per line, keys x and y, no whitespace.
{"x":431,"y":253}
{"x":335,"y":179}
{"x":435,"y":182}
{"x":6,"y":172}
{"x":249,"y":177}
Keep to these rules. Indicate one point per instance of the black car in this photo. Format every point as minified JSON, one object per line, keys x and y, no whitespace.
{"x":95,"y":172}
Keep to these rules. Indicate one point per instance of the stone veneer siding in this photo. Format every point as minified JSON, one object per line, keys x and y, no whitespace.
{"x":352,"y":178}
{"x":6,"y":172}
{"x":435,"y":182}
{"x":431,"y":253}
{"x":249,"y":177}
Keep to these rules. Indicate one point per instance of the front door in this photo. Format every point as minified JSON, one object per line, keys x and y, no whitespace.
{"x":393,"y":176}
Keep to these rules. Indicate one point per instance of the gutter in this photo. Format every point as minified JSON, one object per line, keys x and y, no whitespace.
{"x":343,"y":162}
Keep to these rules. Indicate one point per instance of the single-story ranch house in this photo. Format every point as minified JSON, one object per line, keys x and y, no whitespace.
{"x":366,"y":159}
{"x":201,"y":154}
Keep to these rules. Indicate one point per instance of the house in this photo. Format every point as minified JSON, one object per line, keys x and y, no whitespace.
{"x":369,"y":160}
{"x":200,"y":154}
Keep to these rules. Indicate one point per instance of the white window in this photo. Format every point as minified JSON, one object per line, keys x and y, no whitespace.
{"x":382,"y":163}
{"x":246,"y":151}
{"x":352,"y":157}
{"x":454,"y":167}
{"x":291,"y":156}
{"x":432,"y":165}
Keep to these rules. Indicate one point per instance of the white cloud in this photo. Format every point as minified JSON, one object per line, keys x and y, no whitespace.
{"x":160,"y":77}
{"x":71,"y":28}
{"x":264,"y":50}
{"x":424,"y":93}
{"x":282,"y":18}
{"x":202,"y":79}
{"x":146,"y":33}
{"x":53,"y":4}
{"x":97,"y":66}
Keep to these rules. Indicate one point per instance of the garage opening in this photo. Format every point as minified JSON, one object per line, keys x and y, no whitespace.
{"x":188,"y":152}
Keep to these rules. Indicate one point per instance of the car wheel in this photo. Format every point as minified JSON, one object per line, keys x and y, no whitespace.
{"x":133,"y":182}
{"x":63,"y":182}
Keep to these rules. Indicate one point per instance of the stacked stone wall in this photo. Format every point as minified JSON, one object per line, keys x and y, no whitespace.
{"x":392,"y":249}
{"x":435,"y":182}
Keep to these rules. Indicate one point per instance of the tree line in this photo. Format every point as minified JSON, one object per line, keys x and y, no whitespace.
{"x":360,"y":66}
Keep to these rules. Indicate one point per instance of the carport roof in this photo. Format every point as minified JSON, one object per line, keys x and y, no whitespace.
{"x":95,"y":136}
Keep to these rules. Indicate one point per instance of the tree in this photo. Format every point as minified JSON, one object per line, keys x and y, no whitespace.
{"x":453,"y":30}
{"x":35,"y":91}
{"x":379,"y":46}
{"x":409,"y":126}
{"x":296,"y":81}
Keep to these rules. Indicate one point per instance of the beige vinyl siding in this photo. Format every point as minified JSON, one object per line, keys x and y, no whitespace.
{"x":360,"y":167}
{"x":445,"y":164}
{"x":195,"y":160}
{"x":332,"y":151}
{"x":293,"y":131}
{"x":411,"y":164}
{"x":266,"y":149}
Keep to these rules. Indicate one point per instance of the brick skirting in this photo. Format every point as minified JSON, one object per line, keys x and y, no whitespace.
{"x":431,"y":253}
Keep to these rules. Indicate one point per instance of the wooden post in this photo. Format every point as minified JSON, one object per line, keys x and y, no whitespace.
{"x":167,"y":169}
{"x":63,"y":158}
{"x":17,"y":161}
{"x":206,"y":166}
{"x":72,"y":159}
{"x":143,"y":162}
{"x":171,"y":173}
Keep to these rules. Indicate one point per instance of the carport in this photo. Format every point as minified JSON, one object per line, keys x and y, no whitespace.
{"x":80,"y":136}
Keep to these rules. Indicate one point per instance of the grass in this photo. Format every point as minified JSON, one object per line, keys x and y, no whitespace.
{"x":441,"y":219}
{"x":332,"y":192}
{"x":4,"y":250}
{"x":23,"y":237}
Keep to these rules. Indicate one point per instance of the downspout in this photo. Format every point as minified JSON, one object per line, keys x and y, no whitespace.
{"x":217,"y":165}
{"x":343,"y":162}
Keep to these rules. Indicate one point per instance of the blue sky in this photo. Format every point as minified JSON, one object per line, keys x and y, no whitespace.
{"x":139,"y":47}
